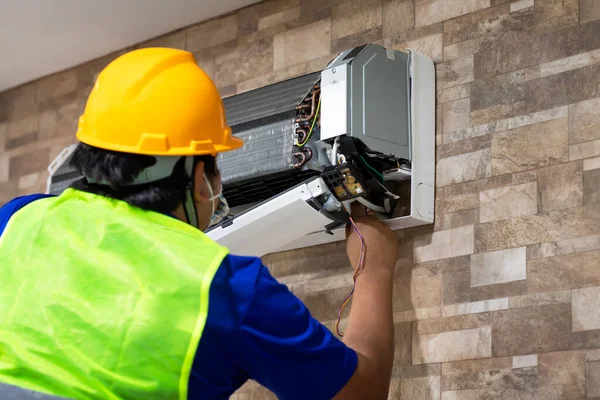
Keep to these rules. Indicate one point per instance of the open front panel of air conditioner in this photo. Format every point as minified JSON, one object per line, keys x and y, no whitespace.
{"x":362,"y":129}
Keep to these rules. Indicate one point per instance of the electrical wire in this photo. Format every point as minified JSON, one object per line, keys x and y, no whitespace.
{"x":359,"y":269}
{"x":379,"y":174}
{"x":334,"y":151}
{"x":312,"y":127}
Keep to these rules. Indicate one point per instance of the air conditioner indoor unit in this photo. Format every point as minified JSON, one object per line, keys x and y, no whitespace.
{"x":362,"y":129}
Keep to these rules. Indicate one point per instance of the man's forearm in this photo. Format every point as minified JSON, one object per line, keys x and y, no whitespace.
{"x":371,"y":327}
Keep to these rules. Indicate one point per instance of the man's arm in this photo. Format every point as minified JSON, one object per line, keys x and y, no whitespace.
{"x":280,"y":345}
{"x":370,"y":332}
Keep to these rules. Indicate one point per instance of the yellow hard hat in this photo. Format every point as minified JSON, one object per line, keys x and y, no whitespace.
{"x":156,"y":101}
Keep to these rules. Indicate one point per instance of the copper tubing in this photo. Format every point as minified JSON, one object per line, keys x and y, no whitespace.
{"x":302,"y":134}
{"x":313,"y":106}
{"x":305,"y":155}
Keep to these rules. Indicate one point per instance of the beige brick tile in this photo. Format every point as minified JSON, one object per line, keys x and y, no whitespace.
{"x":456,"y":286}
{"x":461,"y":202}
{"x":355,"y":16}
{"x":272,"y":77}
{"x":532,"y":229}
{"x":455,"y":72}
{"x":591,"y":187}
{"x":19,"y":102}
{"x":497,"y":93}
{"x":584,"y":150}
{"x":4,"y":167}
{"x":591,"y":164}
{"x":478,"y":130}
{"x":212,"y":33}
{"x":527,"y":361}
{"x":465,"y":375}
{"x":560,"y":186}
{"x":417,"y":371}
{"x":250,"y":61}
{"x":444,"y":244}
{"x":535,"y":118}
{"x":457,"y":219}
{"x":586,"y":303}
{"x":456,"y":115}
{"x":592,"y":355}
{"x":469,"y":394}
{"x":435,"y":267}
{"x":568,"y":271}
{"x":512,"y":333}
{"x":270,"y":7}
{"x":248,"y":20}
{"x":508,"y":202}
{"x":279,"y":18}
{"x":453,"y":93}
{"x":475,"y":307}
{"x":453,"y":323}
{"x":467,"y":27}
{"x":562,"y":65}
{"x":398,"y":17}
{"x":584,"y":121}
{"x":30,"y":180}
{"x":562,"y":375}
{"x":521,"y":5}
{"x":562,"y":89}
{"x":417,"y":314}
{"x":452,"y":346}
{"x":461,"y":49}
{"x":431,"y":11}
{"x":424,"y":388}
{"x":561,"y":247}
{"x":28,"y":163}
{"x":521,"y":149}
{"x":333,"y":282}
{"x":464,"y":168}
{"x":302,"y":44}
{"x":56,"y":85}
{"x":498,"y":267}
{"x":18,"y":127}
{"x":499,"y":290}
{"x":470,"y":145}
{"x":589,"y":11}
{"x":540,"y":299}
{"x":593,"y":379}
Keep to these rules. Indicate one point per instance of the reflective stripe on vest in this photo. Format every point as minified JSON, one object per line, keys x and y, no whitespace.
{"x":101,"y":300}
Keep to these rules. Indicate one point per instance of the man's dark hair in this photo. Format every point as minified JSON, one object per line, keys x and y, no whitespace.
{"x":119,"y":169}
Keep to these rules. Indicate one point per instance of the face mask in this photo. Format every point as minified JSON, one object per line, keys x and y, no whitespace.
{"x":221,"y":210}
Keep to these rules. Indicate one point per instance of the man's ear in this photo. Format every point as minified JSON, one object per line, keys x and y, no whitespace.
{"x":201,"y":190}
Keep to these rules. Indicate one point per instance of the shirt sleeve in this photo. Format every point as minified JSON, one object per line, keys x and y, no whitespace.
{"x":284,"y":348}
{"x":10,"y":208}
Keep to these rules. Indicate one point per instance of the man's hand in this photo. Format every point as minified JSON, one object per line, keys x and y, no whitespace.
{"x":381,"y":242}
{"x":370,"y":331}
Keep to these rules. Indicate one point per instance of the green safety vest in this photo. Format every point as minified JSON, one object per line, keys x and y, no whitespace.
{"x":101,"y":300}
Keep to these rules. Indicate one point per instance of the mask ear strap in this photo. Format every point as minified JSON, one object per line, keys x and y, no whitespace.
{"x":189,"y":205}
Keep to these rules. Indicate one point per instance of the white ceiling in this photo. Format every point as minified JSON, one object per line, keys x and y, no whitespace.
{"x":39,"y":37}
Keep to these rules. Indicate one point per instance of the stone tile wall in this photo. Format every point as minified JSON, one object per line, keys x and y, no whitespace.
{"x":500,"y":298}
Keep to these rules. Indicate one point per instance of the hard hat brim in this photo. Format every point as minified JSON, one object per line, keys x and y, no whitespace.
{"x":194,"y":149}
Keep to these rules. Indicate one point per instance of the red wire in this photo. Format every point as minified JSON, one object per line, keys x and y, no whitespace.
{"x":359,"y":269}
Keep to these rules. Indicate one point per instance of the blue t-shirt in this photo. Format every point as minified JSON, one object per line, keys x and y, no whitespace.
{"x":256,"y":329}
